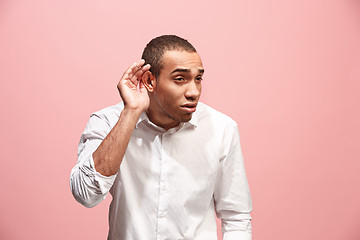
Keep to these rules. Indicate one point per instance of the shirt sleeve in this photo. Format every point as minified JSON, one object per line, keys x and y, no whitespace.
{"x":232,"y":195}
{"x":87,"y":185}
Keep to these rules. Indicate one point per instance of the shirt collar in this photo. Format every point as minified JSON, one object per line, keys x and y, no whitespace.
{"x":144,"y":118}
{"x":194,"y":119}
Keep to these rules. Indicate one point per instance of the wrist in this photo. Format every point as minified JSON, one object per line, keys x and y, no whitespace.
{"x":131,"y":113}
{"x":132,"y":109}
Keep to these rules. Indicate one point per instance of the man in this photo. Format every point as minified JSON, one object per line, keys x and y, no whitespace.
{"x":168,"y":160}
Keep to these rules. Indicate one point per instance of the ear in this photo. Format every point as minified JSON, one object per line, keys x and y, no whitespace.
{"x":149,"y":81}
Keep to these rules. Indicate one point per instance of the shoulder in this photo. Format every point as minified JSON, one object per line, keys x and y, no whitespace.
{"x":114,"y":109}
{"x":207,"y":114}
{"x":109,"y":114}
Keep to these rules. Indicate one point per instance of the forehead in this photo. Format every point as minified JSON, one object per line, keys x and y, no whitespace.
{"x":181,"y":59}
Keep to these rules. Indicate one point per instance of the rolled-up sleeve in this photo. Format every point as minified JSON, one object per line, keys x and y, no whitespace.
{"x":232,"y":195}
{"x":87,"y":185}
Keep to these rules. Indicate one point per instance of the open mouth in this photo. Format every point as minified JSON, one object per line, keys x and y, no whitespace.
{"x":189,"y":107}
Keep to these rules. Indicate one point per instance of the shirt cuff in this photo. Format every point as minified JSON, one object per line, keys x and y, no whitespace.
{"x":104,"y":182}
{"x":237,"y":235}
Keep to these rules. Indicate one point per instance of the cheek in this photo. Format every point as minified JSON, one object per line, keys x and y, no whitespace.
{"x":171,"y":95}
{"x":175,"y":93}
{"x":167,"y":99}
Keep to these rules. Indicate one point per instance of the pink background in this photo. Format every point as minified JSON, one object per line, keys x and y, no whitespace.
{"x":287,"y":71}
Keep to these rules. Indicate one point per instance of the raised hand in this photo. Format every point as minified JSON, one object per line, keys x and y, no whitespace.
{"x":132,"y":89}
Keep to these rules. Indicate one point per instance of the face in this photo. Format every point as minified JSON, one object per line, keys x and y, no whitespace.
{"x":177,"y":90}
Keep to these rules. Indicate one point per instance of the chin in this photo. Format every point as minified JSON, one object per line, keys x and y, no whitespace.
{"x":186,"y":118}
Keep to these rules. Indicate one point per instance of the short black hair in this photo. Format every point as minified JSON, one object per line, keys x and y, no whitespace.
{"x":156,"y":48}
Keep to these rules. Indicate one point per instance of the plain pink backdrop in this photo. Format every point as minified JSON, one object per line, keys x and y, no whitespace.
{"x":287,"y":71}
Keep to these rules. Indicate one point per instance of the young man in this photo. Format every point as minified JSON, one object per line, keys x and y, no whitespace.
{"x":168,"y":160}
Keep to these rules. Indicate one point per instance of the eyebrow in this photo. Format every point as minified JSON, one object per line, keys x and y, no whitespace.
{"x":186,"y":70}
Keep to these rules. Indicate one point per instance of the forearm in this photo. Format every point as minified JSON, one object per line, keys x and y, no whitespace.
{"x":108,"y":156}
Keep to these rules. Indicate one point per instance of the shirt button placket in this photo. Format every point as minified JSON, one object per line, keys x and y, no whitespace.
{"x":162,"y":207}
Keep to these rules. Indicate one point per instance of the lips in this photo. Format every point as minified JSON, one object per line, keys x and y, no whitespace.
{"x":189,"y":107}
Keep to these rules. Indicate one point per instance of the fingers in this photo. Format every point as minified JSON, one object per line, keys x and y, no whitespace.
{"x":135,"y":67}
{"x":131,"y":70}
{"x":141,"y":71}
{"x":135,"y":71}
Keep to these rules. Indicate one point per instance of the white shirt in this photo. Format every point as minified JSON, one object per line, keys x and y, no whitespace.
{"x":170,"y":183}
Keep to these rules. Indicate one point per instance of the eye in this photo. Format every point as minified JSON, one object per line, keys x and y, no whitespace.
{"x":179,"y":79}
{"x":199,"y":78}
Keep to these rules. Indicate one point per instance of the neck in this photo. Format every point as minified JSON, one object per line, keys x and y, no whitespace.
{"x":161,"y":119}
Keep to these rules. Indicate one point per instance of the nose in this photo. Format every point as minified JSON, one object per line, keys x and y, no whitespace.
{"x":193,"y":90}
